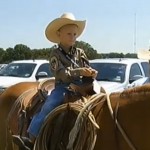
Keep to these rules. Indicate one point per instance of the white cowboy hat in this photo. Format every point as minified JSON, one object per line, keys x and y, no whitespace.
{"x":56,"y":24}
{"x":144,"y":54}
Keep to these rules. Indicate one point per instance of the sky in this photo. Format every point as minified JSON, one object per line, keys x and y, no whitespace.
{"x":121,"y":26}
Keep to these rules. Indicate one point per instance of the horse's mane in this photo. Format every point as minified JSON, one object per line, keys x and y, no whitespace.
{"x":132,"y":92}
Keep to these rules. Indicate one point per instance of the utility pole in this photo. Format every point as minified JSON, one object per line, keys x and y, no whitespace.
{"x":134,"y":33}
{"x":149,"y":45}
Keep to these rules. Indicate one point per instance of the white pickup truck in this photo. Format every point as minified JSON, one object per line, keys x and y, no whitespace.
{"x":117,"y":74}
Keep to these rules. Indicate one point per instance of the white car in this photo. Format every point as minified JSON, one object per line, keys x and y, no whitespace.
{"x":22,"y":71}
{"x":115,"y":75}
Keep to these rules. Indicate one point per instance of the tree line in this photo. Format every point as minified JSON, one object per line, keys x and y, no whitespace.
{"x":23,"y":52}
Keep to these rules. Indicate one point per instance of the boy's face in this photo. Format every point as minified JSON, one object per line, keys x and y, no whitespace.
{"x":68,"y":34}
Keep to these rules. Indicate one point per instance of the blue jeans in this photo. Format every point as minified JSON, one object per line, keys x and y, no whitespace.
{"x":53,"y":100}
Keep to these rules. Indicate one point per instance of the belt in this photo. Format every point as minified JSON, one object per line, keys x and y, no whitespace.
{"x":59,"y":83}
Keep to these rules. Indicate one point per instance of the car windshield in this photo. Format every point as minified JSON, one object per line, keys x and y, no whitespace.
{"x":113,"y":72}
{"x":24,"y":70}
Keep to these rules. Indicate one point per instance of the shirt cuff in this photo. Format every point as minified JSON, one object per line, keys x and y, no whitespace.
{"x":75,"y":72}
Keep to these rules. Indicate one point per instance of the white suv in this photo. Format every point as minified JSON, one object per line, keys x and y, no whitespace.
{"x":115,"y":75}
{"x":22,"y":71}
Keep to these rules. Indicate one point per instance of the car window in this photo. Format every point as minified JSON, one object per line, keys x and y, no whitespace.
{"x":146,"y":67}
{"x":110,"y":71}
{"x":2,"y":66}
{"x":18,"y":70}
{"x":134,"y":71}
{"x":45,"y":68}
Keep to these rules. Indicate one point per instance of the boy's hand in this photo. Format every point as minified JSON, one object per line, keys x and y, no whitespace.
{"x":89,"y":72}
{"x":94,"y":73}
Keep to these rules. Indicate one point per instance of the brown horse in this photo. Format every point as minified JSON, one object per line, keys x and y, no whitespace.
{"x":131,"y":110}
{"x":7,"y":99}
{"x":128,"y":128}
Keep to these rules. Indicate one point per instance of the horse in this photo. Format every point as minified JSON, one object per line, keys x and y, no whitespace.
{"x":7,"y":99}
{"x":123,"y":120}
{"x":131,"y":112}
{"x":124,"y":123}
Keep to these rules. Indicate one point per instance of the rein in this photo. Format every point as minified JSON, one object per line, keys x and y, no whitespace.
{"x":118,"y":125}
{"x":87,"y":107}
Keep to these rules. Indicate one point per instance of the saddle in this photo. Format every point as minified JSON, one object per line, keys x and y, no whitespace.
{"x":31,"y":101}
{"x":27,"y":105}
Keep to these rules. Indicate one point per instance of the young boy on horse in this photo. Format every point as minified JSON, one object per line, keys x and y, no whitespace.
{"x":68,"y":64}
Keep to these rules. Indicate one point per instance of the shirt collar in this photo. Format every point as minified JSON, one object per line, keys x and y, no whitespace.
{"x":70,"y":51}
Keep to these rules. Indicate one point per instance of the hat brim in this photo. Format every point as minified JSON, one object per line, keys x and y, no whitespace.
{"x":55,"y":25}
{"x":144,"y":54}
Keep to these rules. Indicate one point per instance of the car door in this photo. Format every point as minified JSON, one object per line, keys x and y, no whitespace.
{"x":135,"y":73}
{"x":43,"y":71}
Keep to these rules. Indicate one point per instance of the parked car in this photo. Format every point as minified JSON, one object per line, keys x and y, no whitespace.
{"x":2,"y":66}
{"x":118,"y":74}
{"x":24,"y":70}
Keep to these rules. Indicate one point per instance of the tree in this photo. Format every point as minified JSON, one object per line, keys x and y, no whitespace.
{"x":131,"y":55}
{"x":9,"y":55}
{"x":22,"y":52}
{"x":1,"y":55}
{"x":89,"y":50}
{"x":41,"y":53}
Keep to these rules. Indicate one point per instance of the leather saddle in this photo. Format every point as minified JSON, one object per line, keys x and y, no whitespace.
{"x":31,"y":101}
